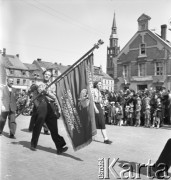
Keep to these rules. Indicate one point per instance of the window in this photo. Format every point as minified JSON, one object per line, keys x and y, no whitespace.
{"x":142,"y":27}
{"x":24,"y":81}
{"x":11,"y":71}
{"x":141,"y":70}
{"x":159,"y":68}
{"x":125,"y":71}
{"x":142,"y":49}
{"x":23,"y":72}
{"x":18,"y":81}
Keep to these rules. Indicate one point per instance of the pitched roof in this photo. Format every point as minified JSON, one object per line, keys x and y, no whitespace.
{"x":144,"y":17}
{"x":63,"y":68}
{"x":44,"y":64}
{"x":31,"y":66}
{"x":14,"y":62}
{"x":167,"y":42}
{"x":106,"y":76}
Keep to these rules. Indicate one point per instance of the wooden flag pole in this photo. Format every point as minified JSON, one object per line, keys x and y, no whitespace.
{"x":96,"y":46}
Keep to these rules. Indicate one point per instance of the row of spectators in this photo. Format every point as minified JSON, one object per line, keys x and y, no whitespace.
{"x":148,"y":108}
{"x":145,"y":108}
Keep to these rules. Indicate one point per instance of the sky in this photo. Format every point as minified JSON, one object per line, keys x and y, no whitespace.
{"x":62,"y":31}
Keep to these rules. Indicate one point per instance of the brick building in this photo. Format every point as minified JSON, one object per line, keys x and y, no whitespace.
{"x":145,"y":61}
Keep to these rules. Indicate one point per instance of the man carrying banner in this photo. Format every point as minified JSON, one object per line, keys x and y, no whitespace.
{"x":45,"y":113}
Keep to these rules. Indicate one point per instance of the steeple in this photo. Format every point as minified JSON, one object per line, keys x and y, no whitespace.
{"x":114,"y":28}
{"x":112,"y":50}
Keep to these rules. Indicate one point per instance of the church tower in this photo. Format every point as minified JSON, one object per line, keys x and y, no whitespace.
{"x":112,"y":50}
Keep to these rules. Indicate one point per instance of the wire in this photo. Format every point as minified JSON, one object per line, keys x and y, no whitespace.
{"x":64,"y":17}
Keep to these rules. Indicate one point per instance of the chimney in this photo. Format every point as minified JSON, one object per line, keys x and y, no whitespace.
{"x":163,"y":31}
{"x":17,"y":55}
{"x":38,"y":59}
{"x":4,"y":52}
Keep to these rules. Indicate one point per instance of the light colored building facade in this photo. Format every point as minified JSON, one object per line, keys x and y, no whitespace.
{"x":16,"y":70}
{"x":107,"y":82}
{"x":105,"y":79}
{"x":145,"y":61}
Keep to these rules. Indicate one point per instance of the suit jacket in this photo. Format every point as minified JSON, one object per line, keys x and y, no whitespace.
{"x":8,"y":99}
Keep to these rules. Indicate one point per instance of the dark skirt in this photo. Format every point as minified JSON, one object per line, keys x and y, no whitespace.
{"x":100,"y":120}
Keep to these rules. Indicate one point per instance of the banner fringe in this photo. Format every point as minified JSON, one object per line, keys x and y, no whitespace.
{"x":82,"y":145}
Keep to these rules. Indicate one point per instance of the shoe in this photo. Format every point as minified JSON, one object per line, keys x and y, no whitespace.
{"x":107,"y":141}
{"x":12,"y":136}
{"x":46,"y":133}
{"x":33,"y":148}
{"x":62,"y":150}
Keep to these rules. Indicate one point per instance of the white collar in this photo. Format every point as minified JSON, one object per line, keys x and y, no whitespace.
{"x":9,"y":88}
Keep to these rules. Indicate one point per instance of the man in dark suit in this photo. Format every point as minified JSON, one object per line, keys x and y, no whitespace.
{"x":46,"y":112}
{"x":8,"y":107}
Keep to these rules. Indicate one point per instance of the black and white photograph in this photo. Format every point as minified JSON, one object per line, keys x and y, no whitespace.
{"x":85,"y":89}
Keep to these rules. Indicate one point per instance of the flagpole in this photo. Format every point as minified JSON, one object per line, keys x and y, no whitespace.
{"x":96,"y":46}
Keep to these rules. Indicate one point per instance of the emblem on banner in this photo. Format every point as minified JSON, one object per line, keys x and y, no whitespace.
{"x":84,"y":99}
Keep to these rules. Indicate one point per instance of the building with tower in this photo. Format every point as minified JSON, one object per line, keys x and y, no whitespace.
{"x":112,"y":50}
{"x":145,"y":61}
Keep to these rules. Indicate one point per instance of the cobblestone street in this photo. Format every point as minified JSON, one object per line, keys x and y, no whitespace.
{"x":130,"y":144}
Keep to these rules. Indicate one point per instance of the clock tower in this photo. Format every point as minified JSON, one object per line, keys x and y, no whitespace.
{"x":112,"y":50}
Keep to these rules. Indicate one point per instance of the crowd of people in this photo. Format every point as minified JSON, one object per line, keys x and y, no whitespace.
{"x":148,"y":108}
{"x":21,"y":103}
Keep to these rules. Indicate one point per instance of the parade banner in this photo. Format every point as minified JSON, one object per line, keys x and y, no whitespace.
{"x":75,"y":99}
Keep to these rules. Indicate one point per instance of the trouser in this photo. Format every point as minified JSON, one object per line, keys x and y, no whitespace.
{"x":165,"y":156}
{"x":11,"y":121}
{"x":46,"y":114}
{"x":33,"y":120}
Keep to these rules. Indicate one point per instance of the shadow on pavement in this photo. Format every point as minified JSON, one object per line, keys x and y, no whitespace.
{"x":125,"y":165}
{"x":167,"y":127}
{"x":98,"y":141}
{"x":25,"y":130}
{"x":5,"y":134}
{"x":26,"y":144}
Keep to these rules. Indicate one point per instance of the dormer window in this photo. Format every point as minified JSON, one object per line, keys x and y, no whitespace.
{"x":143,"y":22}
{"x":23,"y":72}
{"x":142,"y":27}
{"x":11,"y":71}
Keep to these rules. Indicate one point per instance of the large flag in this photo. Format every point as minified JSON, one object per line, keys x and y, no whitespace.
{"x":75,"y":99}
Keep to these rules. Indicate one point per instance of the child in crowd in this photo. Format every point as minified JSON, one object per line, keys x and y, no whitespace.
{"x":119,"y":114}
{"x":112,"y":113}
{"x":126,"y":115}
{"x":138,"y":112}
{"x":131,"y":112}
{"x":147,"y":111}
{"x":158,"y":114}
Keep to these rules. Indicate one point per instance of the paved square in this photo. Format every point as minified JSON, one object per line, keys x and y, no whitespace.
{"x":130,"y":144}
